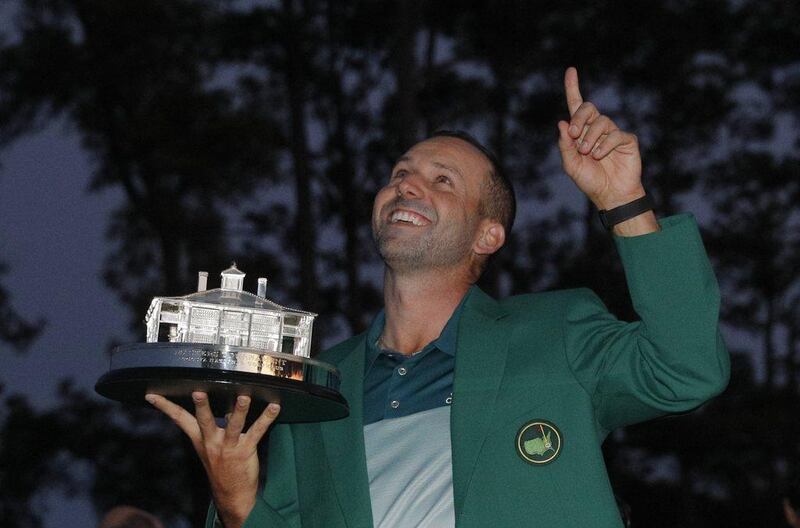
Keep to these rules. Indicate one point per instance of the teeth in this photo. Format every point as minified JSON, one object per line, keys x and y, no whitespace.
{"x":405,"y":216}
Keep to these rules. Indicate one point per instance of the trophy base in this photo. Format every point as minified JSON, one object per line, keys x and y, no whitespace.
{"x":299,"y":401}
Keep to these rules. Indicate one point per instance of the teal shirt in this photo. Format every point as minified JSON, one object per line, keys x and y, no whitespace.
{"x":396,"y":385}
{"x":407,"y":429}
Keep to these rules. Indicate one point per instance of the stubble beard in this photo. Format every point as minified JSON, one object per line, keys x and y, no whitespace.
{"x":427,"y":251}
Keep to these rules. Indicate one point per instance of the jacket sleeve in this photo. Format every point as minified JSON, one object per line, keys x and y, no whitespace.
{"x":278,"y":507}
{"x":670,"y":361}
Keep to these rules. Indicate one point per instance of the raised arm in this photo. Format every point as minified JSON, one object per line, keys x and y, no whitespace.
{"x":673,"y":359}
{"x":602,"y":160}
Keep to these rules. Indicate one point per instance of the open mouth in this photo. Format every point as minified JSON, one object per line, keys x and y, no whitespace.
{"x":404,"y":216}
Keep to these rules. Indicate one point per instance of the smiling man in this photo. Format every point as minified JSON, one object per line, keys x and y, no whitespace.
{"x":430,"y":225}
{"x":430,"y":229}
{"x":472,"y":412}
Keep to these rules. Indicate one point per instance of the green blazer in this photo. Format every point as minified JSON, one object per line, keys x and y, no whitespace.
{"x":559,"y":357}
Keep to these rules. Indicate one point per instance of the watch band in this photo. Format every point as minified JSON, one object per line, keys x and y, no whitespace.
{"x":627,"y":211}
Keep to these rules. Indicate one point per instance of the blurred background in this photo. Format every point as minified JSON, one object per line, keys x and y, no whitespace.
{"x":144,"y":141}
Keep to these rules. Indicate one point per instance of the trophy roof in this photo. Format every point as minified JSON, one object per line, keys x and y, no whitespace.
{"x":235,"y":298}
{"x":233,"y":270}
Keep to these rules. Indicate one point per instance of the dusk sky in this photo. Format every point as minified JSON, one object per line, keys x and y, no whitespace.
{"x":51,"y":238}
{"x":51,"y":230}
{"x":53,"y":243}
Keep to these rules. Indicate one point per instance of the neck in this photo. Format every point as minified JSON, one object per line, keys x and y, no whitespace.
{"x":418,"y":306}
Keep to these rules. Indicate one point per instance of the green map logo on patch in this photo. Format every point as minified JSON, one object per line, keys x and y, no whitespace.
{"x":539,"y":442}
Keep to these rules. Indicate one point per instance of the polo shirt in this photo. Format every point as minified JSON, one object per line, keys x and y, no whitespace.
{"x":396,"y":385}
{"x":407,"y":430}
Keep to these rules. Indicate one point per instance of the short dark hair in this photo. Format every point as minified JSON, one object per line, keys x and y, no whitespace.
{"x":498,"y":201}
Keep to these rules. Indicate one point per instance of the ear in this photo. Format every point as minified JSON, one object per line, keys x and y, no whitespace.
{"x":491,"y":237}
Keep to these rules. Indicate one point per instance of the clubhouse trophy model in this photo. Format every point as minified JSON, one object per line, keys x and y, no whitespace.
{"x":226,"y":342}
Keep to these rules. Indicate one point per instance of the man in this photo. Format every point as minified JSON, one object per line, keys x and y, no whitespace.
{"x":471,"y":412}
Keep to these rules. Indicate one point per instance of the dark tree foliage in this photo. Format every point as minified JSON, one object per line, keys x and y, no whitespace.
{"x":15,"y":331}
{"x":260,"y":132}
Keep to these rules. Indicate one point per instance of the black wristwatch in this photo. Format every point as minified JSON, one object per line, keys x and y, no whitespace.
{"x":627,"y":211}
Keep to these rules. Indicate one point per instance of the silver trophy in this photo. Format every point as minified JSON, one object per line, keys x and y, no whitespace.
{"x":227,"y":342}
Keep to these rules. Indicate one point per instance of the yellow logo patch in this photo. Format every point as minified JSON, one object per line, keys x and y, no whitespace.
{"x":539,"y":442}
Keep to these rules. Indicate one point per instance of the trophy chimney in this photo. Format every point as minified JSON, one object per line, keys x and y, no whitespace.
{"x":262,"y":287}
{"x":202,"y":281}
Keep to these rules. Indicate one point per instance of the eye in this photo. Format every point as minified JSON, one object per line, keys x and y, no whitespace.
{"x":399,"y":174}
{"x":443,"y":179}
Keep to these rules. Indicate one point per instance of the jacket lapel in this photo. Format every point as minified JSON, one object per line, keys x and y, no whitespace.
{"x":344,"y":443}
{"x":480,"y":363}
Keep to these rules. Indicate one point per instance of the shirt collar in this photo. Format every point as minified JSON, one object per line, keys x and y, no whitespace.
{"x":446,"y":342}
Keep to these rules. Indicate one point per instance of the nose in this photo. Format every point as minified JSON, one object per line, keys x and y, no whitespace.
{"x":410,"y":187}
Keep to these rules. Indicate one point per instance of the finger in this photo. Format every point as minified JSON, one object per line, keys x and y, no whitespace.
{"x":566,"y":143}
{"x":596,"y":149}
{"x":602,"y":126}
{"x":585,"y":115}
{"x":202,"y":410}
{"x":262,"y":423}
{"x":572,"y":90}
{"x":614,"y":140}
{"x":237,"y":419}
{"x":182,"y":418}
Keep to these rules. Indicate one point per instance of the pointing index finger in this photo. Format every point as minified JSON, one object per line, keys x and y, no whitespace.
{"x":571,"y":88}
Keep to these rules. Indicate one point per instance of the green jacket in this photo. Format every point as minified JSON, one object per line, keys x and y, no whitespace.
{"x":557,"y":356}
